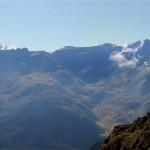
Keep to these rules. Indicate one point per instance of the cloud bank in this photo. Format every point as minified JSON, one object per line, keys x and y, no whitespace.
{"x":122,"y":61}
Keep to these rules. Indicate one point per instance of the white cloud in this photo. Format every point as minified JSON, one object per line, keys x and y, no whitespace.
{"x":120,"y":59}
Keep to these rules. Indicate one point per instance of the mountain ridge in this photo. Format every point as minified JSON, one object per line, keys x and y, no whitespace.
{"x":133,"y":136}
{"x":84,"y":84}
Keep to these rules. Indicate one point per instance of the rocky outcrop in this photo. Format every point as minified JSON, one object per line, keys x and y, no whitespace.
{"x":135,"y":136}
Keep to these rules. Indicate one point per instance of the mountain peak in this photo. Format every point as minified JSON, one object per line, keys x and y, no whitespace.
{"x":137,"y":44}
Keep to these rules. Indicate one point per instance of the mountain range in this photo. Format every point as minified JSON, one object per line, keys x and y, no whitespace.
{"x":72,"y":97}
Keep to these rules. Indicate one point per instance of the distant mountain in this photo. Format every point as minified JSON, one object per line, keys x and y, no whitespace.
{"x":72,"y":97}
{"x":133,"y":136}
{"x":37,"y":108}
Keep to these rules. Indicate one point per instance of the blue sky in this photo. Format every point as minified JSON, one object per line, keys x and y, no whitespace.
{"x":50,"y":25}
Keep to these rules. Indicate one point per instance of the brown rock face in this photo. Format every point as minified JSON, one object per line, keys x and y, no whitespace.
{"x":135,"y":136}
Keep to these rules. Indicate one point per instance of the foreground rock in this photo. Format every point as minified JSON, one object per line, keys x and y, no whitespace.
{"x":135,"y":136}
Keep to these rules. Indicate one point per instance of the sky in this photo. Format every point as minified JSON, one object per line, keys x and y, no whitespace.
{"x":52,"y":24}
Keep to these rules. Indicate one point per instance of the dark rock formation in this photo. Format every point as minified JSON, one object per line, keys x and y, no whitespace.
{"x":135,"y":136}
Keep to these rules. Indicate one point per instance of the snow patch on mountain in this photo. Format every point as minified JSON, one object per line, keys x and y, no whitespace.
{"x":3,"y":47}
{"x":133,"y":48}
{"x":83,"y":53}
{"x":146,"y":63}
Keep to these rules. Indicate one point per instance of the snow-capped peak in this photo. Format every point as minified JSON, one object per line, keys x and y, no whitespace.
{"x":133,"y":47}
{"x":137,"y":44}
{"x":130,"y":47}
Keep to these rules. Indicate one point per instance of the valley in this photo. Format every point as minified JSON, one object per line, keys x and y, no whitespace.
{"x":72,"y":97}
